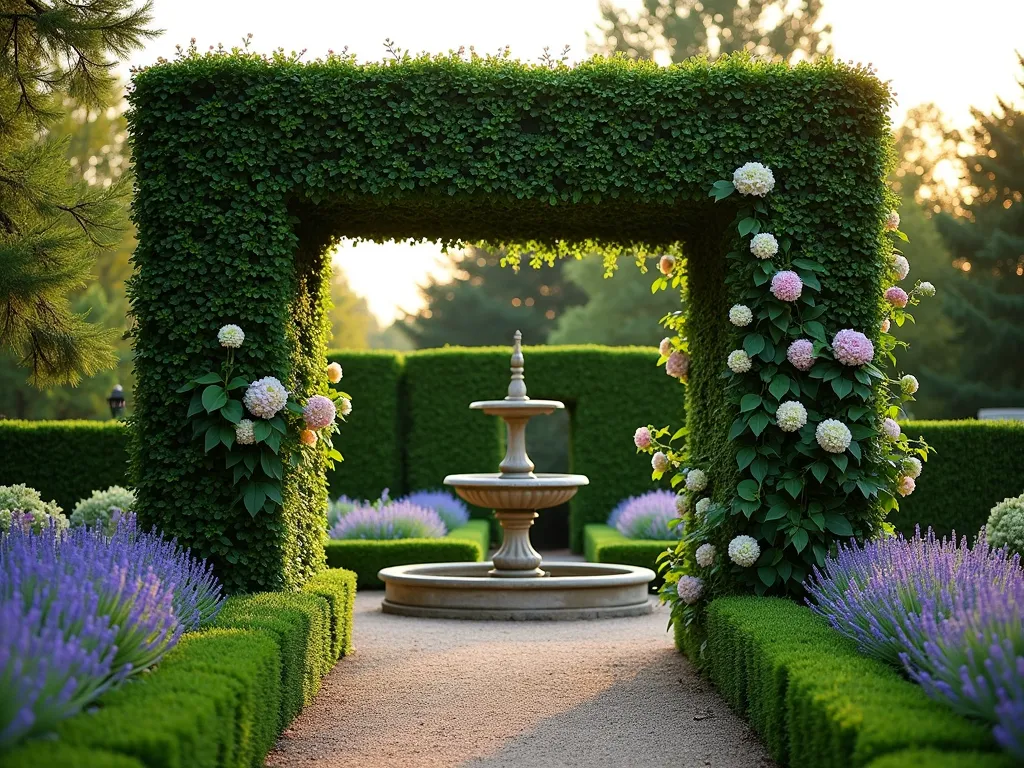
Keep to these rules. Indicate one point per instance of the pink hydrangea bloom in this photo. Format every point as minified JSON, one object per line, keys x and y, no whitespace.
{"x":319,"y":412}
{"x":886,"y":325}
{"x":678,"y":365}
{"x":642,"y":438}
{"x":896,"y":296}
{"x":852,"y":347}
{"x":801,"y":354}
{"x":787,"y":285}
{"x":906,"y":485}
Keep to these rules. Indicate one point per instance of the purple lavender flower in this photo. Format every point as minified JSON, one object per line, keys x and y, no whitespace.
{"x":396,"y":520}
{"x":82,"y":611}
{"x":452,"y":511}
{"x":952,"y":616}
{"x":646,"y":516}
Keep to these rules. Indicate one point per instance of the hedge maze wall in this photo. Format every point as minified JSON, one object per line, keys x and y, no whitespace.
{"x":249,"y":169}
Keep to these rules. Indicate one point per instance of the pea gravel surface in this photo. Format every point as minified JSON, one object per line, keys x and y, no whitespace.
{"x":432,"y":692}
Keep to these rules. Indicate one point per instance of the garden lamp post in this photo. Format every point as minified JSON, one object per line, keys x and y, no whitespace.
{"x":116,"y":401}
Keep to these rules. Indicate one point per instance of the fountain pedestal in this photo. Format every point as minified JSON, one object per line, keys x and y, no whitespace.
{"x":515,"y":585}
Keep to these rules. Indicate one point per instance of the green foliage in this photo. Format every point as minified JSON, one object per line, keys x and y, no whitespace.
{"x":21,"y":499}
{"x":366,"y":557}
{"x":604,"y":544}
{"x":53,"y":225}
{"x":97,"y":510}
{"x":301,"y":625}
{"x":813,"y":698}
{"x":338,"y":588}
{"x":64,"y":460}
{"x":1005,"y":526}
{"x":483,"y":303}
{"x":972,"y":469}
{"x":986,"y":238}
{"x":594,"y":382}
{"x":686,"y":28}
{"x":620,"y":310}
{"x":932,"y":758}
{"x":40,"y":753}
{"x":372,"y":440}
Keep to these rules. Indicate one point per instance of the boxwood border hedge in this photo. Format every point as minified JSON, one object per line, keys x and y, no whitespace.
{"x":604,"y":544}
{"x":365,"y":557}
{"x":222,"y":696}
{"x":817,"y":702}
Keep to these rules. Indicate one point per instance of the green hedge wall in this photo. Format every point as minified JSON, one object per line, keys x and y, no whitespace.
{"x":366,"y":556}
{"x":371,"y":439}
{"x":63,"y":460}
{"x":819,"y":703}
{"x":604,"y":544}
{"x":600,"y":386}
{"x":976,"y":465}
{"x":605,"y":155}
{"x":222,"y":696}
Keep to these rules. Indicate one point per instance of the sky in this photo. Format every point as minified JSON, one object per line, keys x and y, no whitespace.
{"x":955,"y":53}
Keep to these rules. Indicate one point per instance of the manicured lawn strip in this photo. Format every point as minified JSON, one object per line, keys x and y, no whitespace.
{"x":478,"y":531}
{"x":222,"y":696}
{"x":604,"y":544}
{"x":367,"y":556}
{"x":814,"y":699}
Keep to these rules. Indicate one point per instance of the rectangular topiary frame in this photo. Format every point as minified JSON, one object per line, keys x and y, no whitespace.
{"x":249,"y":169}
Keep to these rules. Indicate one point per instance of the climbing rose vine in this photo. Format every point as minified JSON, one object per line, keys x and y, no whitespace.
{"x":819,"y":453}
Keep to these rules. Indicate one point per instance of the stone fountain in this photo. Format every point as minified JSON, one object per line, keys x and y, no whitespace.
{"x":514,"y":585}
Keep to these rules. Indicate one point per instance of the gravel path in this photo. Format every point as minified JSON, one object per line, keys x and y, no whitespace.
{"x":424,"y":693}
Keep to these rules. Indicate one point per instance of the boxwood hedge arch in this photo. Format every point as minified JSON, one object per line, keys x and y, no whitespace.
{"x":248,"y":169}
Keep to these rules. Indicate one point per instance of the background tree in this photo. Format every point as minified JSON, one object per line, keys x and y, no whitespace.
{"x":53,"y":224}
{"x":97,"y":155}
{"x":620,"y":310}
{"x":680,"y":29}
{"x":986,"y":240}
{"x":485,"y":303}
{"x":352,"y":324}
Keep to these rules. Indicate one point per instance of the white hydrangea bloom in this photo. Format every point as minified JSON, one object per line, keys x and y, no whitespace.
{"x":739,"y":361}
{"x":696,"y":480}
{"x":764,"y":245}
{"x":744,"y":551}
{"x":926,"y":289}
{"x":705,"y":555}
{"x":659,"y":462}
{"x":244,"y":433}
{"x":892,"y":221}
{"x":266,"y":397}
{"x":909,"y":384}
{"x":346,"y":406}
{"x":891,"y":428}
{"x":791,"y":416}
{"x":230,"y":336}
{"x":681,"y":504}
{"x":665,"y":348}
{"x":702,"y":506}
{"x":912,"y":467}
{"x":901,"y":265}
{"x":740,"y":315}
{"x":753,"y":179}
{"x":833,"y":435}
{"x":689,"y":589}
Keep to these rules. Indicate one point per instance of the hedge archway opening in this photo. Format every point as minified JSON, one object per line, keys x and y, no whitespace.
{"x":248,"y":169}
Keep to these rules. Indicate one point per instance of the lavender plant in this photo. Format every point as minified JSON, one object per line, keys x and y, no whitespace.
{"x":951,"y":615}
{"x":452,"y":511}
{"x":647,"y":516}
{"x":80,"y":615}
{"x":397,"y":520}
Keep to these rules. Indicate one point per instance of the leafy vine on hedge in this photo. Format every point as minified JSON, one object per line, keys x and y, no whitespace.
{"x":816,"y":422}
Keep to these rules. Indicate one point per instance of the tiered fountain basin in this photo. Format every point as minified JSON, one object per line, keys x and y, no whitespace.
{"x":516,"y":584}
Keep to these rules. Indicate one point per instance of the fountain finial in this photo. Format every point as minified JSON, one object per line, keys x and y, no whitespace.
{"x":517,"y":387}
